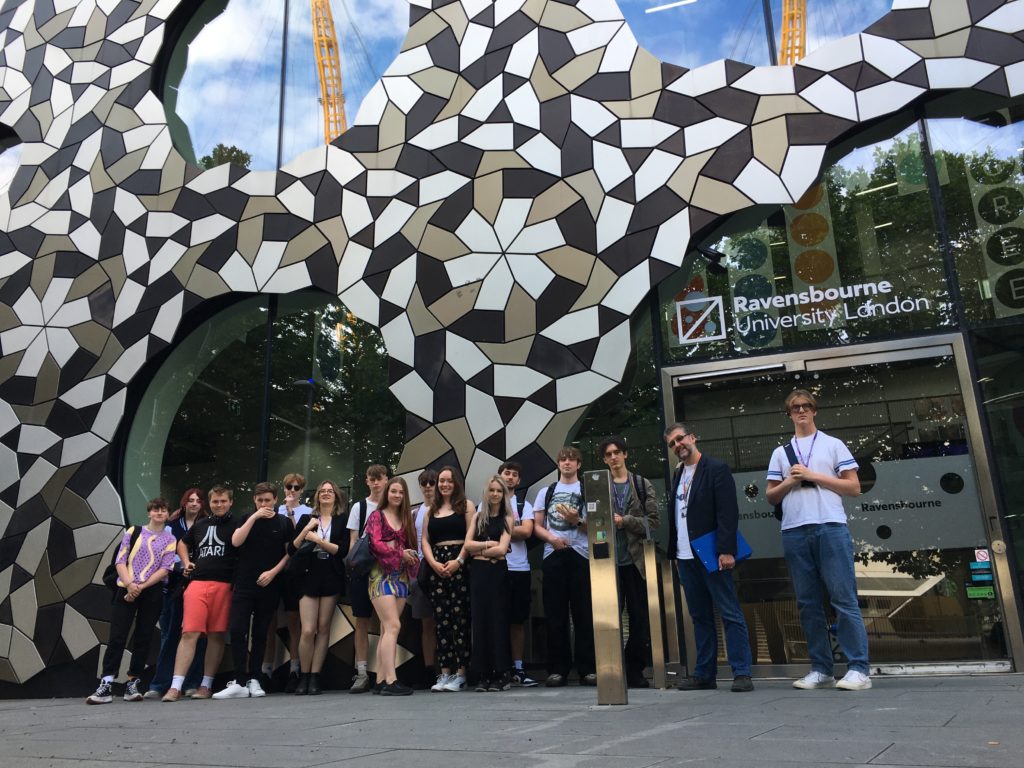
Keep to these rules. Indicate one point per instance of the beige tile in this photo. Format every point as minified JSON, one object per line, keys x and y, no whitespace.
{"x":457,"y":433}
{"x":456,"y":303}
{"x":73,"y":578}
{"x":206,"y":283}
{"x":123,"y":119}
{"x":684,"y":179}
{"x":391,"y":131}
{"x":38,"y":183}
{"x":89,"y":281}
{"x":456,"y":18}
{"x":23,"y":609}
{"x":770,"y":107}
{"x":601,"y":281}
{"x":509,"y":353}
{"x":462,"y":92}
{"x":126,"y":166}
{"x":642,"y":107}
{"x":579,"y":69}
{"x":420,"y":318}
{"x":551,"y":202}
{"x":439,"y":82}
{"x":96,"y":28}
{"x":419,"y":452}
{"x":545,"y":86}
{"x":557,"y":431}
{"x":56,"y":24}
{"x":258,"y":206}
{"x":250,"y":238}
{"x":43,"y":114}
{"x":949,"y":16}
{"x":46,"y":590}
{"x":112,"y":350}
{"x":416,"y":226}
{"x":717,"y":196}
{"x":72,"y":510}
{"x":303,"y":246}
{"x":520,"y":315}
{"x":570,"y":263}
{"x":645,"y":76}
{"x":441,"y":244}
{"x":47,"y":380}
{"x":384,"y":160}
{"x":92,"y":337}
{"x":499,"y":161}
{"x":33,"y":414}
{"x":589,"y":187}
{"x":424,"y":30}
{"x":56,"y":484}
{"x":77,"y":633}
{"x":42,"y":275}
{"x":334,"y":231}
{"x":182,"y":268}
{"x":24,"y":657}
{"x":951,"y":45}
{"x":534,"y":9}
{"x":563,"y":18}
{"x":770,"y":141}
{"x":55,"y":243}
{"x":487,"y":195}
{"x":33,"y":546}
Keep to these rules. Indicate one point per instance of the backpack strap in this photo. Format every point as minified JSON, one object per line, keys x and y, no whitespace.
{"x":361,"y":505}
{"x":790,"y":454}
{"x":640,"y":487}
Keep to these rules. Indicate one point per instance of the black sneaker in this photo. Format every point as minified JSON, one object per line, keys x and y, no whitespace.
{"x":556,"y":680}
{"x":481,"y":687}
{"x":132,"y":692}
{"x":293,"y":682}
{"x":637,"y":682}
{"x":395,"y":689}
{"x":501,"y":684}
{"x":742,"y":684}
{"x":697,"y":684}
{"x":520,"y":679}
{"x":376,"y":690}
{"x":102,"y":694}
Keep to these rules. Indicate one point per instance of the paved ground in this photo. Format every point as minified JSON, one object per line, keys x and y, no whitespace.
{"x":951,"y":721}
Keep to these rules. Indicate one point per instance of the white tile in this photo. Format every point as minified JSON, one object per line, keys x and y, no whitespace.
{"x":801,"y":168}
{"x":399,"y":340}
{"x":298,"y":200}
{"x":164,"y":224}
{"x":492,"y":136}
{"x":135,"y":251}
{"x":470,"y":268}
{"x":474,"y":44}
{"x":130,"y":361}
{"x":525,"y":427}
{"x":767,"y":80}
{"x":620,"y":52}
{"x":885,"y":98}
{"x":159,"y":151}
{"x":709,"y":134}
{"x":464,"y":356}
{"x":415,"y":395}
{"x":237,"y":273}
{"x":256,"y":183}
{"x":35,"y":354}
{"x":610,"y":166}
{"x":887,"y":56}
{"x":581,"y":389}
{"x":835,"y":54}
{"x":371,"y":110}
{"x":353,"y":265}
{"x":142,"y":136}
{"x":34,"y":479}
{"x":484,"y":101}
{"x":391,"y":220}
{"x":475,"y":7}
{"x":24,"y":609}
{"x":80,"y":447}
{"x":591,"y":116}
{"x":1008,"y":18}
{"x":61,"y":343}
{"x":531,"y":273}
{"x":109,"y":415}
{"x":289,"y":279}
{"x":478,"y":235}
{"x":761,"y":184}
{"x":267,"y":261}
{"x":538,"y":238}
{"x":35,"y":439}
{"x":655,"y":172}
{"x":211,"y":180}
{"x":165,"y":259}
{"x":574,"y":327}
{"x":508,"y":224}
{"x":593,"y":36}
{"x":12,"y":262}
{"x":599,"y":10}
{"x":411,"y":61}
{"x":127,"y":303}
{"x":77,"y":633}
{"x":613,"y":351}
{"x":494,"y":292}
{"x":440,"y":185}
{"x":957,"y":73}
{"x":612,"y":222}
{"x":209,"y":228}
{"x":342,"y":165}
{"x":644,"y":132}
{"x":401,"y":281}
{"x":386,"y":183}
{"x":523,"y":105}
{"x":9,"y":475}
{"x":831,"y":97}
{"x":1015,"y":78}
{"x":437,"y":135}
{"x":629,"y":290}
{"x":82,"y":395}
{"x":517,"y":380}
{"x":167,"y":319}
{"x":355,"y":212}
{"x":29,"y":309}
{"x":87,"y":240}
{"x":696,"y":82}
{"x":403,"y":92}
{"x":362,"y":302}
{"x":481,"y":414}
{"x":903,"y":5}
{"x":542,"y":154}
{"x":505,"y":9}
{"x":673,"y":239}
{"x":523,"y":55}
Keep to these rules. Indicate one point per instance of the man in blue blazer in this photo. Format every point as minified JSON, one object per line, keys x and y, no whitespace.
{"x":704,"y":500}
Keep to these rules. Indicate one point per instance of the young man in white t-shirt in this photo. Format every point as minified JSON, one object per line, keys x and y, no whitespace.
{"x":561,"y":523}
{"x":817,"y":544}
{"x":359,"y":586}
{"x":519,"y":576}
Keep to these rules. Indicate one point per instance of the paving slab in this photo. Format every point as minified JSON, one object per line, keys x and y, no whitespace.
{"x":949,"y":722}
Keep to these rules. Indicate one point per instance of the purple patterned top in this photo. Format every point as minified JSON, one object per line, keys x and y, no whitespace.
{"x":152,"y":552}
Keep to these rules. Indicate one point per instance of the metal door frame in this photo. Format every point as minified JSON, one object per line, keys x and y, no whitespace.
{"x":849,"y":356}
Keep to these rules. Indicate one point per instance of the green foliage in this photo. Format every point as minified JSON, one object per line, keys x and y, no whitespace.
{"x":226,"y":154}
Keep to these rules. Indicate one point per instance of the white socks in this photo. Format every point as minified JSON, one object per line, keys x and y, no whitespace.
{"x":207,"y":681}
{"x":178,"y":681}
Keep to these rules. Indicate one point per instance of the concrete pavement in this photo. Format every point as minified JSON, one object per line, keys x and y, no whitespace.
{"x":938,"y":721}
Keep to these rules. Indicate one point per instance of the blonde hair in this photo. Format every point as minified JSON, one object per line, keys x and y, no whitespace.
{"x":484,"y":512}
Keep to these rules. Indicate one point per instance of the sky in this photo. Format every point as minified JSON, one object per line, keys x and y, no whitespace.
{"x":234,"y":62}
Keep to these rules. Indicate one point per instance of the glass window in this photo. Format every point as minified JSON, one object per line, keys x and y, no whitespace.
{"x":222,"y":75}
{"x":984,"y":203}
{"x":200,"y":419}
{"x":10,"y":161}
{"x":855,"y":258}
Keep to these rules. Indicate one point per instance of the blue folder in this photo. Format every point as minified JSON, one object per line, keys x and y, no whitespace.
{"x":706,"y":548}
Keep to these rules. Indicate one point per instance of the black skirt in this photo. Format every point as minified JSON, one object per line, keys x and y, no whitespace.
{"x":323,"y":579}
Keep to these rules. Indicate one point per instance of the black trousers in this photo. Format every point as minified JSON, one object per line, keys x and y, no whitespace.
{"x":259,"y":605}
{"x":633,"y":597}
{"x":144,"y":610}
{"x":491,"y":653}
{"x":567,"y":592}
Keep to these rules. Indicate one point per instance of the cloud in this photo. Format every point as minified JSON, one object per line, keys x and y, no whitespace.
{"x":10,"y":159}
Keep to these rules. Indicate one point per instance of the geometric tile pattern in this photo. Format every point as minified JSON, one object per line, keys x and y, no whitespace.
{"x":510,"y":191}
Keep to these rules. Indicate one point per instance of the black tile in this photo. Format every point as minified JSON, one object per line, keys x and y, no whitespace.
{"x":677,"y":109}
{"x":546,"y":396}
{"x":449,"y":396}
{"x":555,"y":119}
{"x":552,"y":359}
{"x":555,"y":49}
{"x":815,"y":129}
{"x":994,"y":47}
{"x":911,"y":24}
{"x":915,"y":75}
{"x":481,"y":325}
{"x":731,"y":158}
{"x":734,"y":70}
{"x":484,"y":381}
{"x":606,"y":86}
{"x":805,"y":76}
{"x":511,"y":31}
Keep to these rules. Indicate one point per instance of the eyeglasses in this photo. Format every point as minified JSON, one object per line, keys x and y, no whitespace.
{"x":677,"y":440}
{"x":294,"y":487}
{"x":798,"y":407}
{"x":427,"y":484}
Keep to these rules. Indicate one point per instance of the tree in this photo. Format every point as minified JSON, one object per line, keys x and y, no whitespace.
{"x":226,"y":154}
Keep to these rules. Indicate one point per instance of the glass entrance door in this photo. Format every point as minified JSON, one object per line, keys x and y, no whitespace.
{"x":927,"y":582}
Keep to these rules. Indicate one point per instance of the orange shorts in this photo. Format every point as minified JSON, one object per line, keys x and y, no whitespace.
{"x":207,"y":605}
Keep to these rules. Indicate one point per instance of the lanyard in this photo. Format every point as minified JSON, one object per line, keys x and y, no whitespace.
{"x":685,"y":495}
{"x":325,"y":533}
{"x":621,"y":497}
{"x":796,"y":444}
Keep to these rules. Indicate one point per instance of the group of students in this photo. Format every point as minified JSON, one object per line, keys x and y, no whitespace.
{"x":207,"y":574}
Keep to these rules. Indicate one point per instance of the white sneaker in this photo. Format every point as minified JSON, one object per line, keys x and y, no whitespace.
{"x":455,"y":683}
{"x":442,"y":681}
{"x":813,"y":680}
{"x":233,"y":691}
{"x":255,"y":689}
{"x":854,"y":681}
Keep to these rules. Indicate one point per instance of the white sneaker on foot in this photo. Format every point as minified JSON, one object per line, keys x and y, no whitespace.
{"x":442,"y":681}
{"x":255,"y":689}
{"x":854,"y":681}
{"x":233,"y":691}
{"x":455,"y":683}
{"x":813,"y":680}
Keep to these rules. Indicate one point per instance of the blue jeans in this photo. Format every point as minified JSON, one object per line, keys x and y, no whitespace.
{"x":704,"y":593}
{"x":170,"y":635}
{"x":820,"y":557}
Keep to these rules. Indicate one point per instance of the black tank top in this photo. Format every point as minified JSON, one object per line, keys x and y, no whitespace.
{"x":495,"y":528}
{"x":449,"y":528}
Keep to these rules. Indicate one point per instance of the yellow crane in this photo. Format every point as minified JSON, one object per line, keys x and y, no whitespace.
{"x":793,"y":40}
{"x":328,"y":65}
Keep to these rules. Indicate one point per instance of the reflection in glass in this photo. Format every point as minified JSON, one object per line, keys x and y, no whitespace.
{"x":855,"y":258}
{"x":915,"y":527}
{"x":10,"y":160}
